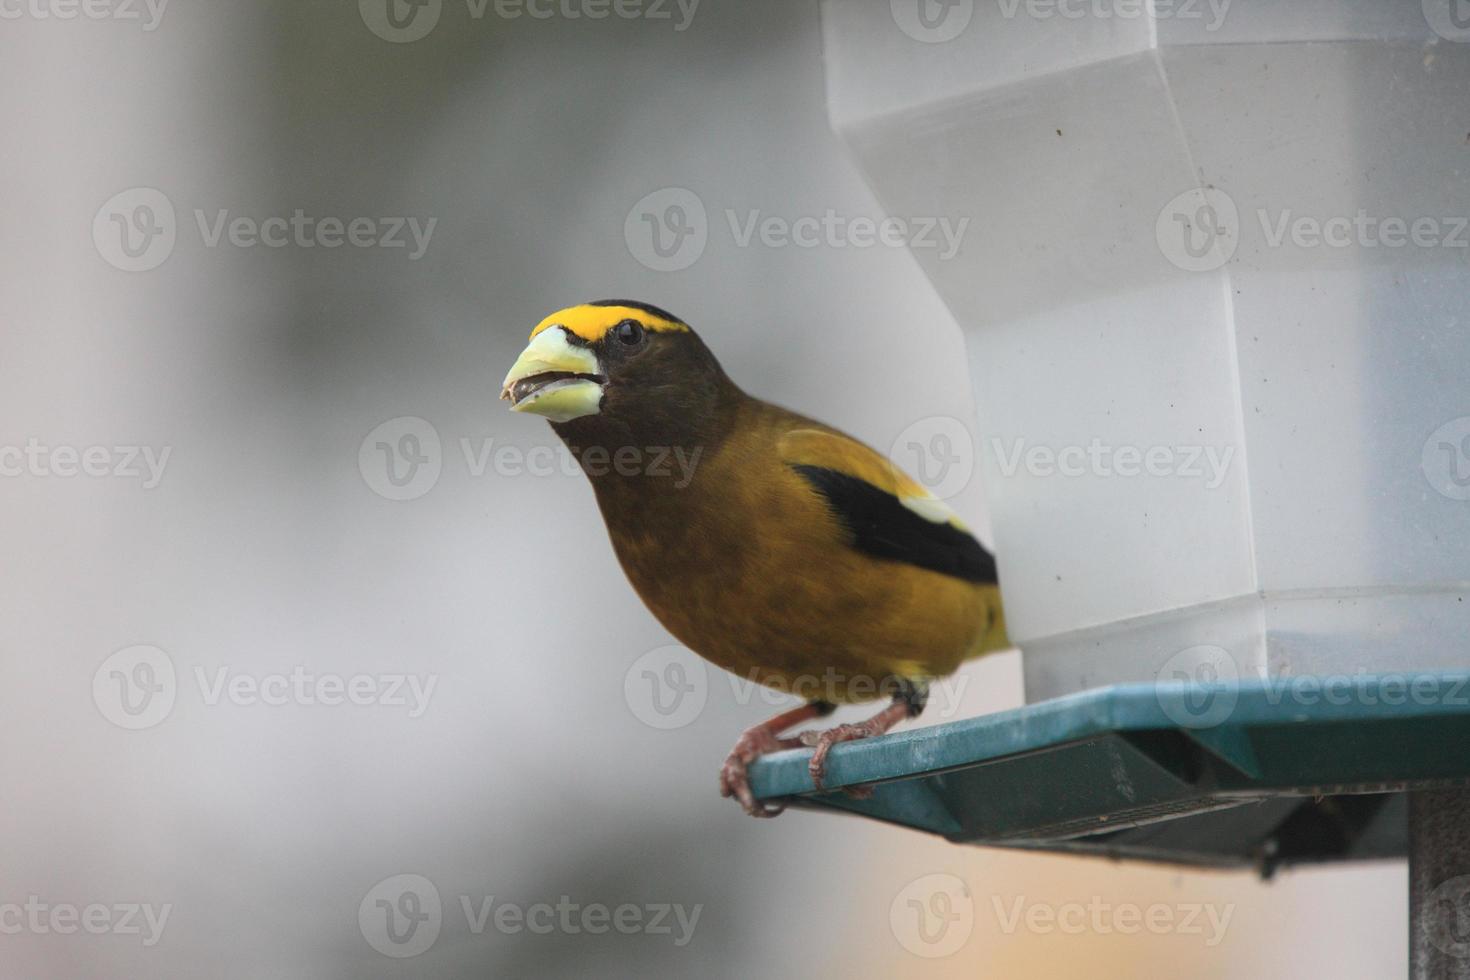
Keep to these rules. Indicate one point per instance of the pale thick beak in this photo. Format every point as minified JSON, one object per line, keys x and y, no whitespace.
{"x":555,"y":379}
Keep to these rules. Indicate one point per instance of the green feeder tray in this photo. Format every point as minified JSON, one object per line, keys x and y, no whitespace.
{"x":1256,"y":774}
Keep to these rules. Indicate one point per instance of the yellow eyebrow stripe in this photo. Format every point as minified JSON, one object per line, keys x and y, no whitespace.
{"x":591,"y":323}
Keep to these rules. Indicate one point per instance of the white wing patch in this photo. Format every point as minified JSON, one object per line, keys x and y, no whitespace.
{"x":932,"y":509}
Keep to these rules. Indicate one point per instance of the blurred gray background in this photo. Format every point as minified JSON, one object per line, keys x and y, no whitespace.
{"x":531,"y":773}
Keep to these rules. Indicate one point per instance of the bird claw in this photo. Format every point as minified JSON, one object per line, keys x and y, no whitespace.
{"x":734,"y":782}
{"x":757,"y":741}
{"x":733,"y":779}
{"x":822,"y":742}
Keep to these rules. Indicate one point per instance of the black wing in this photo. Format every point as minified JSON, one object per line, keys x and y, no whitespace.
{"x":883,"y":527}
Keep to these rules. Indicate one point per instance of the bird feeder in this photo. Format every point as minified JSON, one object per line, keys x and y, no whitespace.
{"x":1215,"y":294}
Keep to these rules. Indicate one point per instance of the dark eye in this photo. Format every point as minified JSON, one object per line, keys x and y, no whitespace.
{"x":629,"y":333}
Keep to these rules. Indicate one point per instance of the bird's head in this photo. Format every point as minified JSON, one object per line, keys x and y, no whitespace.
{"x":615,"y":364}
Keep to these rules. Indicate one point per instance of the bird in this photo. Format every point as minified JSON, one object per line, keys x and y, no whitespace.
{"x":784,"y":550}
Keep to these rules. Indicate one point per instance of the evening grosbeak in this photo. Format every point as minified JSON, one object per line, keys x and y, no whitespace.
{"x":793,"y":555}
